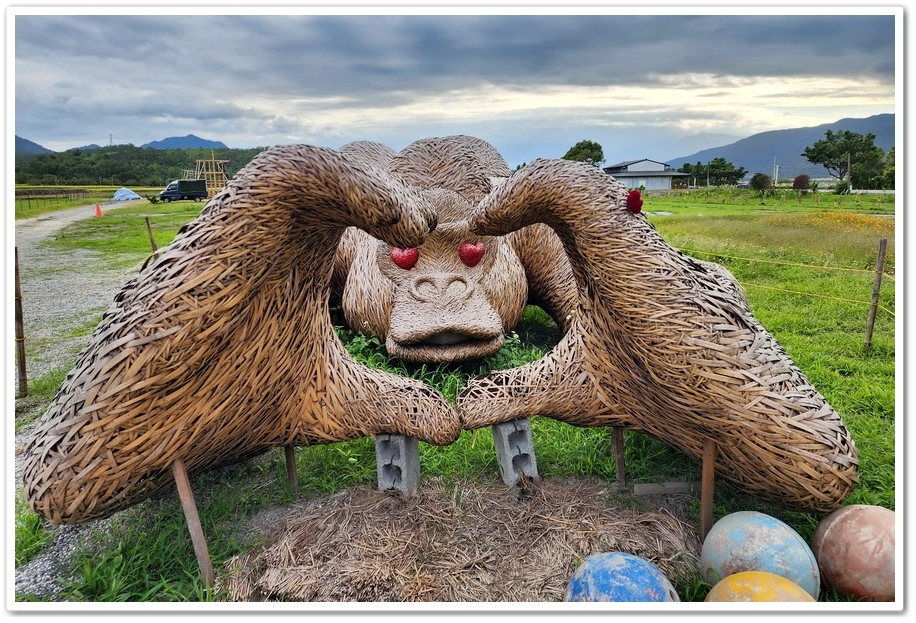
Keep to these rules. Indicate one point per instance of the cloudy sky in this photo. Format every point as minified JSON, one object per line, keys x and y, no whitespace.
{"x":641,"y":83}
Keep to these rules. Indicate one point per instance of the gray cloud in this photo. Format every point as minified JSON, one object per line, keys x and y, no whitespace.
{"x":204,"y":71}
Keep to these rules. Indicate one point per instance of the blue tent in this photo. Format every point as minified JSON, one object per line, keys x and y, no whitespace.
{"x":125,"y":194}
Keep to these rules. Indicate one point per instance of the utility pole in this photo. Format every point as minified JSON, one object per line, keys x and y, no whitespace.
{"x":849,"y":171}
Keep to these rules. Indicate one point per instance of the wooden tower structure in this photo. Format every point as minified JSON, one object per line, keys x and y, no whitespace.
{"x":214,"y":172}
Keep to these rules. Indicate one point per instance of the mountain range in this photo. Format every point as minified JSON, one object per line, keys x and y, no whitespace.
{"x":783,"y":148}
{"x":185,"y":142}
{"x":758,"y":153}
{"x":25,"y":147}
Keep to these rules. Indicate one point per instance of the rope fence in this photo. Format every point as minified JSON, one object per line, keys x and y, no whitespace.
{"x":873,"y":304}
{"x":820,"y":296}
{"x":796,"y":264}
{"x":763,"y":261}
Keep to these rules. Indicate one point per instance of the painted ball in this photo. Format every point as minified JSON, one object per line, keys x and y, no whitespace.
{"x":757,"y":586}
{"x":618,"y":576}
{"x":753,"y":541}
{"x":854,"y":546}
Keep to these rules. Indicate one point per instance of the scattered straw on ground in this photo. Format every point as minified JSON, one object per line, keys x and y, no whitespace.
{"x":453,"y":543}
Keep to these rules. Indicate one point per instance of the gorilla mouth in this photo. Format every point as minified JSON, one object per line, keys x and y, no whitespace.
{"x":444,"y":346}
{"x":448,"y":338}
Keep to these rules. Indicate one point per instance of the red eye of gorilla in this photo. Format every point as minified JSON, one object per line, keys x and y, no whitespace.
{"x":405,"y":258}
{"x":470,"y":253}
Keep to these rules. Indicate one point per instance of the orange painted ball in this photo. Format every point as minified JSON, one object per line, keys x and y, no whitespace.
{"x":854,"y":547}
{"x":757,"y":586}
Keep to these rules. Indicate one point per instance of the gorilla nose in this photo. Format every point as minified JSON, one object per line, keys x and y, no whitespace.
{"x":431,"y":287}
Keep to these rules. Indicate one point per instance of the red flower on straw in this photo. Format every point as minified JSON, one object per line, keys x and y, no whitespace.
{"x":634,"y":202}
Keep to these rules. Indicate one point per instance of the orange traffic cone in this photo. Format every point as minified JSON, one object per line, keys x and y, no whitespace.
{"x":98,"y":210}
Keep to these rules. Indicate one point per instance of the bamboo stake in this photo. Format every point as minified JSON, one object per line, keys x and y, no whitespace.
{"x":190,"y":514}
{"x":152,"y":241}
{"x":875,"y":291}
{"x":621,"y":463}
{"x":291,"y":476}
{"x":20,"y":335}
{"x":707,"y":487}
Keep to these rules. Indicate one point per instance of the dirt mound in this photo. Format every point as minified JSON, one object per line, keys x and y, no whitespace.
{"x":454,"y":542}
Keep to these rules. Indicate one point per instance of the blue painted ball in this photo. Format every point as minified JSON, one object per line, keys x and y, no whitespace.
{"x":753,"y":541}
{"x":618,"y":576}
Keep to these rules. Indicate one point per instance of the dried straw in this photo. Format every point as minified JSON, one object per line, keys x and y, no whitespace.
{"x":453,"y":543}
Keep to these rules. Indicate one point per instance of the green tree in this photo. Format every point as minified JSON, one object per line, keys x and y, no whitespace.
{"x":840,"y":151}
{"x":716,"y":172}
{"x":724,"y":173}
{"x":887,"y":175}
{"x":868,"y":170}
{"x":586,"y":151}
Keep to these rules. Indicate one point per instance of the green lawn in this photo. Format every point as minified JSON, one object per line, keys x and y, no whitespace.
{"x":807,"y":266}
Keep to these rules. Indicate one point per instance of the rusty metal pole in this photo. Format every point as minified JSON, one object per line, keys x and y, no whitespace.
{"x":20,"y":335}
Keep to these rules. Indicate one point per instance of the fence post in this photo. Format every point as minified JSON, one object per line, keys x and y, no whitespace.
{"x":875,"y":291}
{"x":20,"y":335}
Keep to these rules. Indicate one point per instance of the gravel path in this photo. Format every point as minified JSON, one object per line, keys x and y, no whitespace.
{"x":62,"y":293}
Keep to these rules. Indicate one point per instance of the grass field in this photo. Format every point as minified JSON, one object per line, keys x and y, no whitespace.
{"x":806,"y":263}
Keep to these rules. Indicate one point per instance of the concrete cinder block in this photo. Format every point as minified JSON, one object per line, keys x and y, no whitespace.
{"x":515,"y":451}
{"x":397,"y":462}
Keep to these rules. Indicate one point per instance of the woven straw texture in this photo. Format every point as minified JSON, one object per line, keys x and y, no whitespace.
{"x":662,"y":344}
{"x":223,"y":347}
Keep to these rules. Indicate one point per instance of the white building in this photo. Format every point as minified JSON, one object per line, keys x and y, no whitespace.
{"x":648,"y":174}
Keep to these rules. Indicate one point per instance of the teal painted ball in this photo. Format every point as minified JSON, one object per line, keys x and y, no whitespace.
{"x":617,"y":576}
{"x":752,"y":541}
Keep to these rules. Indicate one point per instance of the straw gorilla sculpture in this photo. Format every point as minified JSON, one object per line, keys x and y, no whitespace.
{"x":223,"y":348}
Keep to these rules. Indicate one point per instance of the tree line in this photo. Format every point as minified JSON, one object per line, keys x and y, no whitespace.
{"x":122,"y":165}
{"x":852,"y":158}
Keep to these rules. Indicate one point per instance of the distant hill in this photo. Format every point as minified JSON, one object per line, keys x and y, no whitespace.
{"x":85,"y":147}
{"x":185,"y":142}
{"x":689,"y":144}
{"x":25,"y":147}
{"x":756,"y":153}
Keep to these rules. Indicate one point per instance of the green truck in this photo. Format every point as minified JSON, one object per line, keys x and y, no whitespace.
{"x":184,"y":189}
